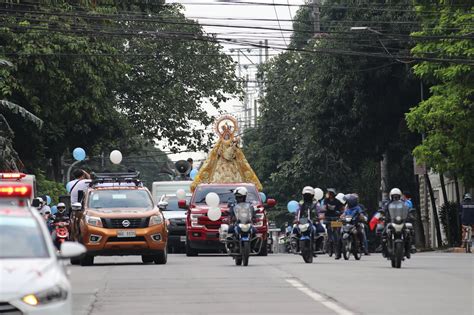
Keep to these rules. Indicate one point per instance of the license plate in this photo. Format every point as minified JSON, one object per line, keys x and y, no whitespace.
{"x":182,"y":239}
{"x":336,"y":224}
{"x":126,"y":233}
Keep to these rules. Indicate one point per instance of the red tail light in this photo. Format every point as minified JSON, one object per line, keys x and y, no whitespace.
{"x":12,"y":175}
{"x":20,"y":190}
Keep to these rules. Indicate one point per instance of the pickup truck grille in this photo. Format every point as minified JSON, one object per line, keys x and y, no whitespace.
{"x":178,"y":222}
{"x":133,"y":223}
{"x":7,"y":308}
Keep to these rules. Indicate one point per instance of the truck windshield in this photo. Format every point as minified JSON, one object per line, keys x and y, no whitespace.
{"x":120,"y":198}
{"x":226,"y":194}
{"x":172,"y":203}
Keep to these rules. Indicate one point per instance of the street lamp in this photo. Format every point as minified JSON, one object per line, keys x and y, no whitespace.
{"x":365,"y":28}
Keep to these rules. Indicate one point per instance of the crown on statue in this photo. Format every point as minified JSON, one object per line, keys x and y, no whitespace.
{"x":226,"y":127}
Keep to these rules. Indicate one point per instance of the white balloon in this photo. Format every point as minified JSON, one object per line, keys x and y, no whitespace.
{"x":181,"y":194}
{"x":212,"y":199}
{"x":116,"y":156}
{"x":318,"y":194}
{"x":214,"y":213}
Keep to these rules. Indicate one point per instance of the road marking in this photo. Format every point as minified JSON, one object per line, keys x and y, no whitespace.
{"x":333,"y":306}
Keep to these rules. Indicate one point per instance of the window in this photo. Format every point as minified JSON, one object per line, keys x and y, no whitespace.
{"x":21,"y":237}
{"x":120,"y":198}
{"x":226,"y":194}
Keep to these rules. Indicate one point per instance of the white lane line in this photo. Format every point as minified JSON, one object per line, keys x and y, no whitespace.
{"x":333,"y":306}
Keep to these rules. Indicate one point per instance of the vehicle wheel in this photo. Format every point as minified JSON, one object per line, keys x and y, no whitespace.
{"x":345,"y":249}
{"x":264,"y":250}
{"x":356,"y":251}
{"x":87,"y":260}
{"x":398,"y":255}
{"x":238,"y":260}
{"x":146,"y":259}
{"x":75,"y":261}
{"x":190,"y":252}
{"x":246,"y":254}
{"x":306,"y":252}
{"x":162,"y":257}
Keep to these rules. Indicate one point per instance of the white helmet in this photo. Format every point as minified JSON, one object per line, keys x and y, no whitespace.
{"x":340,"y":197}
{"x":395,"y":191}
{"x":240,"y":191}
{"x":61,"y":207}
{"x":308,"y":190}
{"x":76,"y":206}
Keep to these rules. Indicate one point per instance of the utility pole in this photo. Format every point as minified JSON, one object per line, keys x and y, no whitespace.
{"x":266,"y":50}
{"x":316,"y":16}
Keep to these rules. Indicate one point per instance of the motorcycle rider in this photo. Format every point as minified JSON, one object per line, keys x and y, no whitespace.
{"x":60,"y":216}
{"x":396,"y":195}
{"x":331,"y":210}
{"x":467,"y":212}
{"x":308,"y":208}
{"x":353,"y":210}
{"x":240,"y":194}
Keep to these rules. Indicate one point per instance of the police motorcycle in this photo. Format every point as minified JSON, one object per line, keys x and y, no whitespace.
{"x":398,"y":233}
{"x":302,"y":241}
{"x":351,"y":242}
{"x":240,"y":239}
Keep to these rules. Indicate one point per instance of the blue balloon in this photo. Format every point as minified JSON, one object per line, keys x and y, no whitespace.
{"x":263,"y":197}
{"x":54,"y":210}
{"x":293,"y":206}
{"x":193,"y":173}
{"x":79,"y":154}
{"x":48,"y":200}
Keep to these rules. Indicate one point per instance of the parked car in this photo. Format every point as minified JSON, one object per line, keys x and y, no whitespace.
{"x":33,"y":277}
{"x":119,"y":217}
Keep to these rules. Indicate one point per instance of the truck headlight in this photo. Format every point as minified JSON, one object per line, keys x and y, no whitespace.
{"x":155,"y":220}
{"x":194,"y":220}
{"x":259,"y":221}
{"x":94,"y":221}
{"x":54,"y":294}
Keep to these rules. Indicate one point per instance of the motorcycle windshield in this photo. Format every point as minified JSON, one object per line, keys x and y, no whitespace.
{"x":243,"y":213}
{"x":398,"y":209}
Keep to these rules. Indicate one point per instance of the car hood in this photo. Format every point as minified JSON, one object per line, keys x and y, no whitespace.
{"x":24,"y":276}
{"x":174,"y":214}
{"x":122,"y":213}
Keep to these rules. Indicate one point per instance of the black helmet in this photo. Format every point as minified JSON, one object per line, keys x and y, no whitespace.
{"x":352,"y":200}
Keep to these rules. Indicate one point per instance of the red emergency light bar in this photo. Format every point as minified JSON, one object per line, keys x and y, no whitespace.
{"x":15,"y":190}
{"x":12,"y":175}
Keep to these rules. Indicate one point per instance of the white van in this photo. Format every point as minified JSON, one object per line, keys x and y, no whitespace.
{"x":169,"y":188}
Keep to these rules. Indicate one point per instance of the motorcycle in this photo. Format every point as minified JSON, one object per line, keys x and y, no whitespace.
{"x":333,"y":226}
{"x":398,"y":234}
{"x":302,"y":242}
{"x":244,"y":242}
{"x":351,"y":243}
{"x":62,"y":233}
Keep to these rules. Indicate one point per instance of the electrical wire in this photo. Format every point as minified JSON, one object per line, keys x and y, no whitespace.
{"x":279,"y":25}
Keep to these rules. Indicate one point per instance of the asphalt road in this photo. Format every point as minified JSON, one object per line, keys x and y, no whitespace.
{"x":429,"y":283}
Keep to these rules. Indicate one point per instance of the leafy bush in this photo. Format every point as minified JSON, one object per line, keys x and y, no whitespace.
{"x":448,"y":215}
{"x":49,"y":187}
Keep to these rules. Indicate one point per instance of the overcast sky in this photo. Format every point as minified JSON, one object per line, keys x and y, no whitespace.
{"x":242,"y":15}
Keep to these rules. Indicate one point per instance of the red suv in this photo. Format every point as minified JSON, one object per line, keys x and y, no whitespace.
{"x":202,"y":234}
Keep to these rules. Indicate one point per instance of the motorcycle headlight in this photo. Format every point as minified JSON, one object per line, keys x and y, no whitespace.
{"x":155,"y":220}
{"x":244,"y":227}
{"x":303,"y":227}
{"x":94,"y":221}
{"x":54,"y":294}
{"x":398,"y":219}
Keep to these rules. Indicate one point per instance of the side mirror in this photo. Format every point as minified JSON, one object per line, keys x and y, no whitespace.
{"x":182,"y":204}
{"x":271,"y":203}
{"x":35,"y":203}
{"x":162,"y":205}
{"x":80,"y":195}
{"x":71,"y":250}
{"x":77,"y":206}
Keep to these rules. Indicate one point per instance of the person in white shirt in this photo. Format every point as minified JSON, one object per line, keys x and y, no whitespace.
{"x":81,"y":182}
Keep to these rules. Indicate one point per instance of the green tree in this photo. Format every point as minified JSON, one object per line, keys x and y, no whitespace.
{"x":446,"y":117}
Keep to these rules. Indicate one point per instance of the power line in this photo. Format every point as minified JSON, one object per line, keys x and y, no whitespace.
{"x":279,"y":25}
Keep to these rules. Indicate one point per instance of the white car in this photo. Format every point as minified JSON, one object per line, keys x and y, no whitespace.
{"x":176,"y":221}
{"x":33,"y":278}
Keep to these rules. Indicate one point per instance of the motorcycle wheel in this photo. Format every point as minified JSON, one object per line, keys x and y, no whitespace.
{"x":398,"y":255}
{"x":307,"y":253}
{"x":345,"y":249}
{"x":356,"y":251}
{"x":246,"y":254}
{"x":238,"y":261}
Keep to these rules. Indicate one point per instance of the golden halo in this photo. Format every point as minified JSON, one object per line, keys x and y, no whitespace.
{"x":226,"y":126}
